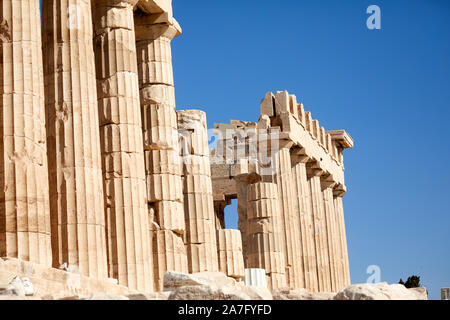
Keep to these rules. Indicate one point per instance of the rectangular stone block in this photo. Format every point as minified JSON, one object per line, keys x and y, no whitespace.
{"x":202,"y":257}
{"x":268,"y":105}
{"x":169,"y":254}
{"x":200,"y":231}
{"x":282,"y":102}
{"x":169,"y":215}
{"x":164,"y":187}
{"x":197,"y":184}
{"x":229,"y":240}
{"x":261,"y":190}
{"x":265,"y":225}
{"x":231,"y":261}
{"x":263,"y":209}
{"x":264,"y":242}
{"x":276,"y":281}
{"x":196,"y":165}
{"x":163,"y":162}
{"x":199,"y":206}
{"x":270,"y":261}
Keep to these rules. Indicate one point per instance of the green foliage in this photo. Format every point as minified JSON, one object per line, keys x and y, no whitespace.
{"x":412,"y":282}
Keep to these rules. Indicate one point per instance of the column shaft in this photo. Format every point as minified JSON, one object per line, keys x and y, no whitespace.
{"x":128,"y":242}
{"x":76,"y":202}
{"x":162,"y":159}
{"x":264,"y":233}
{"x":338,"y":203}
{"x":241,"y":186}
{"x":303,"y":198}
{"x":290,"y":219}
{"x":332,"y":237}
{"x":320,"y":234}
{"x":229,"y":252}
{"x":199,"y":215}
{"x":24,"y":195}
{"x":338,"y":246}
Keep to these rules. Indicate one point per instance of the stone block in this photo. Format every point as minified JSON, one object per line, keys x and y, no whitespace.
{"x":163,"y":162}
{"x":229,"y":245}
{"x":255,"y":277}
{"x":263,"y":209}
{"x":264,"y":242}
{"x":199,"y":206}
{"x":262,"y":190}
{"x":200,"y":231}
{"x":166,"y":187}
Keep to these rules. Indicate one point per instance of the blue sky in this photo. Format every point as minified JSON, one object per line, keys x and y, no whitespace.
{"x":388,"y":88}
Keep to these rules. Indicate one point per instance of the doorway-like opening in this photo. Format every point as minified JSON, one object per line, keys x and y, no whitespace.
{"x":231,"y":215}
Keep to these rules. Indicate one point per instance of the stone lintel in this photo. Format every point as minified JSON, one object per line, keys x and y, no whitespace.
{"x":153,"y":26}
{"x":339,"y":190}
{"x":155,"y":6}
{"x":341,"y":138}
{"x":248,"y":178}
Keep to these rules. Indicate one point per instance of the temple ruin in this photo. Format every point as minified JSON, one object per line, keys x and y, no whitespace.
{"x":100,"y":173}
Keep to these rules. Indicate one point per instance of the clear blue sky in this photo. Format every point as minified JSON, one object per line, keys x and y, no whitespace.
{"x":389,"y":89}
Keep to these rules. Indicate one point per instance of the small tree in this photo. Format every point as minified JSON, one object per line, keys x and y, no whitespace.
{"x":412,"y":282}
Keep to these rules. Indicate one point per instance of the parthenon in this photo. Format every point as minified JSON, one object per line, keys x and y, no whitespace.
{"x":101,"y":173}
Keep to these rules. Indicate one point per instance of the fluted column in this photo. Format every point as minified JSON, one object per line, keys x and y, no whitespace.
{"x":242,"y":183}
{"x":338,"y":205}
{"x":332,"y":237}
{"x":161,"y":147}
{"x":290,"y":219}
{"x":24,"y":195}
{"x":76,"y":206}
{"x":199,"y":215}
{"x":128,"y":242}
{"x":303,"y":198}
{"x":229,"y":252}
{"x":320,"y":231}
{"x":264,"y":233}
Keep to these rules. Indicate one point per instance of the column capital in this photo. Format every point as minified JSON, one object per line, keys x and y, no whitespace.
{"x":283,"y":144}
{"x":339,"y":190}
{"x":327,"y":181}
{"x":298,"y":155}
{"x":154,"y":26}
{"x":296,"y":159}
{"x":327,"y":184}
{"x":313,"y":169}
{"x":248,"y":178}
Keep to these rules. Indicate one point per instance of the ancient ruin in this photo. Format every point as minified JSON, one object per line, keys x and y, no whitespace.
{"x":102,"y":177}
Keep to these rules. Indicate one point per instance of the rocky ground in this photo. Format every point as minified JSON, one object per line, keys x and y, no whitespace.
{"x":217,"y":286}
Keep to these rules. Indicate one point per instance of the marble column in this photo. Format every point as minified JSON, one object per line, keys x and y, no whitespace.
{"x":290,"y":220}
{"x":303,"y":198}
{"x":320,"y":231}
{"x":242,"y":183}
{"x":338,"y":205}
{"x":340,"y":281}
{"x":264,"y":233}
{"x":76,"y":202}
{"x":199,"y":215}
{"x":24,"y":195}
{"x":229,"y":252}
{"x":128,"y":242}
{"x":332,"y":236}
{"x":161,"y":147}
